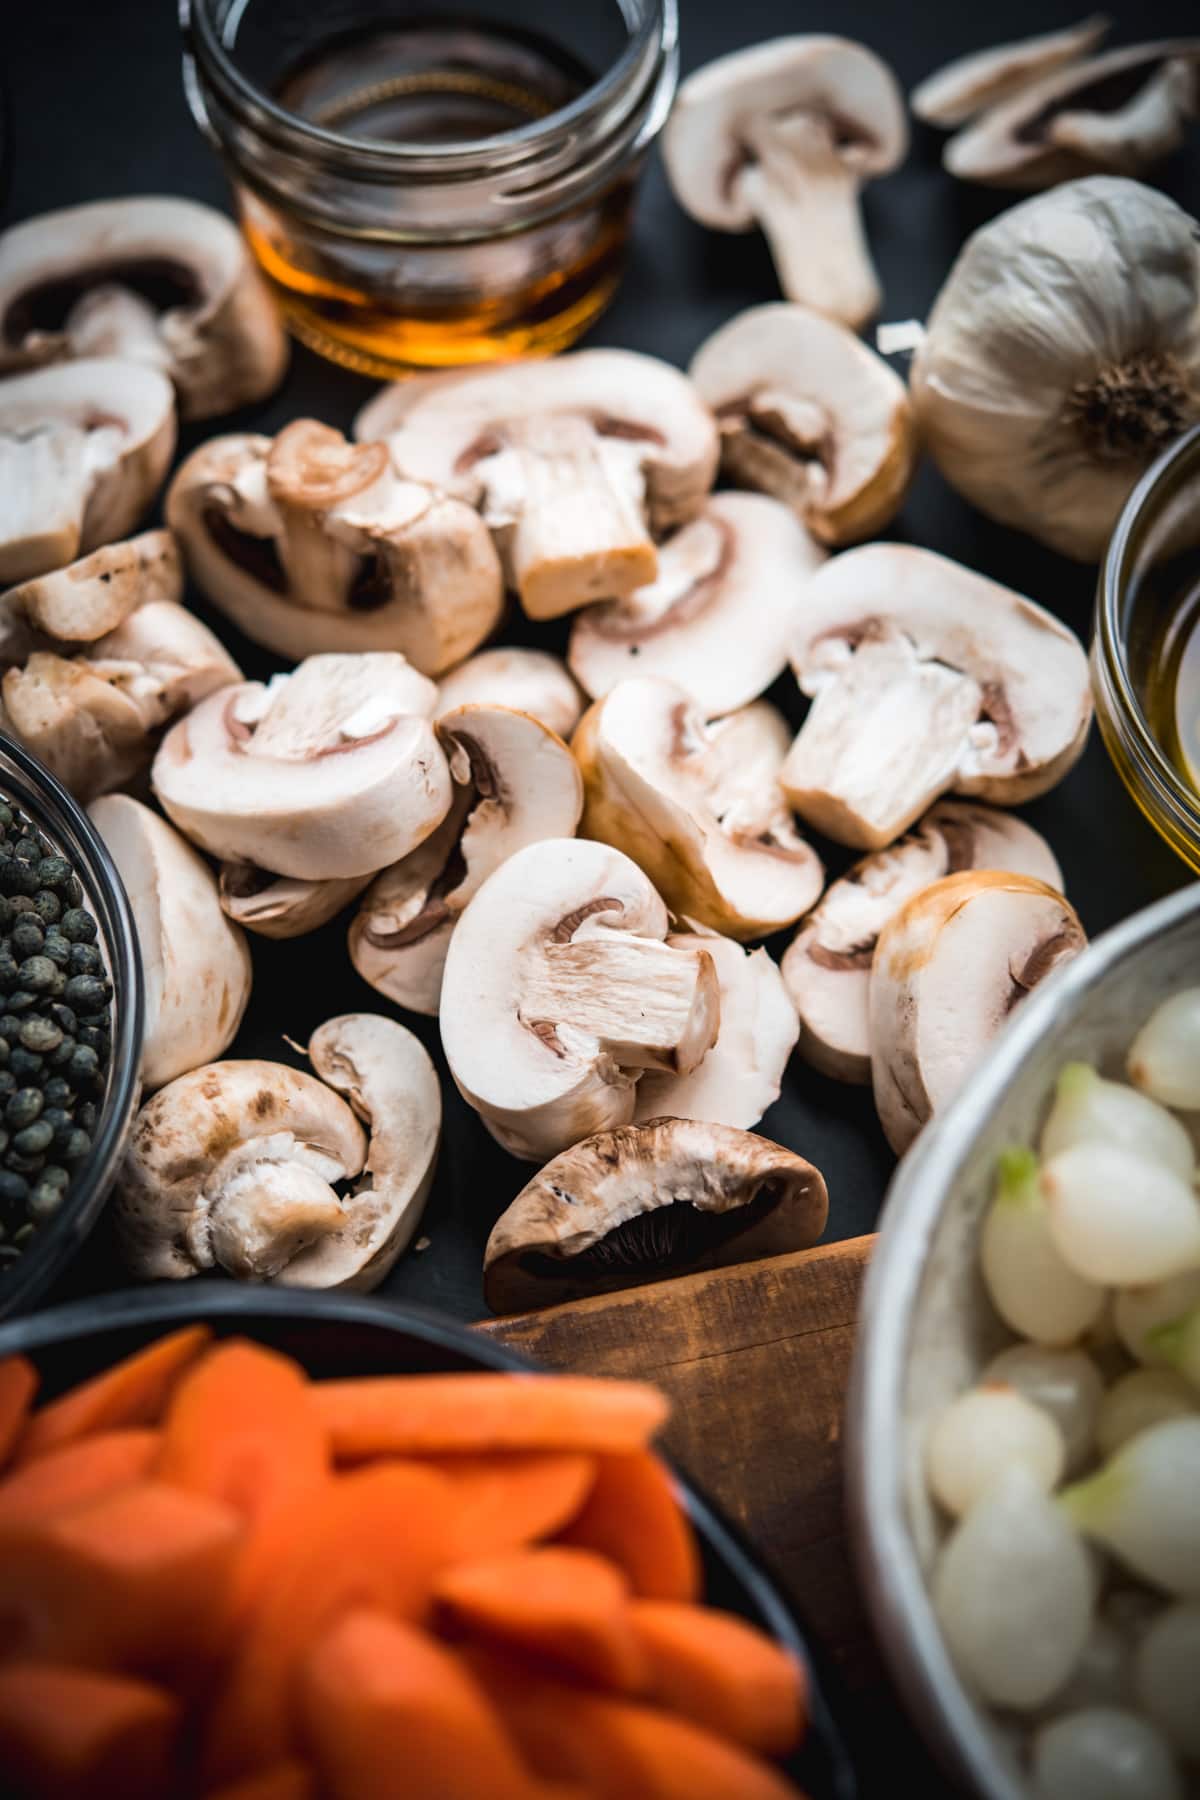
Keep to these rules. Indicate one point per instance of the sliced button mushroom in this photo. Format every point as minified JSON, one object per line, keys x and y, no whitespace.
{"x":558,"y":991}
{"x":645,"y":1202}
{"x":720,"y":616}
{"x":515,"y":783}
{"x":530,"y":681}
{"x":392,"y":1085}
{"x":79,"y":604}
{"x":195,"y":964}
{"x":926,"y":679}
{"x":698,"y":806}
{"x":231,"y":1166}
{"x":83,"y":450}
{"x":827,"y":966}
{"x":965,"y":87}
{"x":310,"y":543}
{"x":150,"y":279}
{"x":742,"y":1074}
{"x":949,"y":968}
{"x":784,"y":135}
{"x":1114,"y":114}
{"x":573,"y":464}
{"x":282,"y":906}
{"x":809,"y":414}
{"x":327,"y":773}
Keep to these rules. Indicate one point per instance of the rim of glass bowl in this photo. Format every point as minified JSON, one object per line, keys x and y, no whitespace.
{"x":36,"y":791}
{"x":592,"y":115}
{"x":1153,"y":768}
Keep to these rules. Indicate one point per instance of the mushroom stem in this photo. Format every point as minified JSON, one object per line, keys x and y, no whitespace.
{"x":114,"y":321}
{"x":596,"y":985}
{"x":267,"y":1212}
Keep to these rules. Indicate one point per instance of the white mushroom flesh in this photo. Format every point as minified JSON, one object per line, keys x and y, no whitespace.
{"x":281,"y":906}
{"x":956,"y":93}
{"x":91,"y":597}
{"x":530,"y":681}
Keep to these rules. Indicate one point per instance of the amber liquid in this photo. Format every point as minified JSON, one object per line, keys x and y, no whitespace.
{"x":384,"y":303}
{"x":1165,"y":659}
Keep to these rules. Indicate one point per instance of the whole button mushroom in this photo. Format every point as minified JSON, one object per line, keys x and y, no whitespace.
{"x":155,"y":280}
{"x":956,"y":93}
{"x":529,"y":681}
{"x":784,"y":135}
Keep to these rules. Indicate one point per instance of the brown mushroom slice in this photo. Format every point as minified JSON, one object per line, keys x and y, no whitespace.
{"x":956,"y":93}
{"x":282,"y":906}
{"x":310,"y":544}
{"x":926,"y":679}
{"x":1114,"y":114}
{"x":949,"y":969}
{"x":231,"y":1166}
{"x":515,"y":783}
{"x":389,"y":1080}
{"x":783,"y":135}
{"x":810,"y":414}
{"x":529,"y":681}
{"x":573,"y":464}
{"x":83,"y":449}
{"x":558,"y":991}
{"x":648,"y":1201}
{"x":827,"y":966}
{"x":743,"y":1072}
{"x":328,"y":773}
{"x":697,"y":805}
{"x":155,"y":280}
{"x":94,"y":595}
{"x":720,"y":615}
{"x":195,"y":964}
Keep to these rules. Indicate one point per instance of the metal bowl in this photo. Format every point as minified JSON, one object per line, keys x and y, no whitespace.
{"x":927,"y":1326}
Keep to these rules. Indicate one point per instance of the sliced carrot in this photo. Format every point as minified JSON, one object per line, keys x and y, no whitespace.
{"x":80,"y":1471}
{"x":286,"y":1781}
{"x":390,"y":1713}
{"x":516,"y":1497}
{"x":717,"y":1670}
{"x":133,"y":1392}
{"x":565,"y":1606}
{"x":18,"y":1384}
{"x":377,"y":1537}
{"x":633,"y":1517}
{"x":75,"y":1734}
{"x":132,"y":1579}
{"x":414,"y":1415}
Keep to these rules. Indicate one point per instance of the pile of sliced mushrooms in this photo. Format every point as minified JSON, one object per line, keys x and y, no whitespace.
{"x":572,"y":864}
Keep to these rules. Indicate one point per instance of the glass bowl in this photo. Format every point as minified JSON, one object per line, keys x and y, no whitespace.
{"x":1153,"y":555}
{"x":60,"y":818}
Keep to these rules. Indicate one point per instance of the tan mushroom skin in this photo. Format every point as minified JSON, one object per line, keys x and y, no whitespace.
{"x":965,"y":87}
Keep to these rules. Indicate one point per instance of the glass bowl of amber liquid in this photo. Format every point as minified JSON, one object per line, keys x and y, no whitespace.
{"x":1146,"y":649}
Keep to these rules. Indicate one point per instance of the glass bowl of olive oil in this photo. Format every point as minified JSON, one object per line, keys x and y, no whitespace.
{"x":1146,"y":650}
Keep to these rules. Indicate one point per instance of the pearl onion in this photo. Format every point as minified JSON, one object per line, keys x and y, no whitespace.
{"x":1102,"y":1753}
{"x":1164,"y":1058}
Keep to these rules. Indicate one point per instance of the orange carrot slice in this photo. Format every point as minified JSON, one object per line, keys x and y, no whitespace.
{"x":129,"y":1580}
{"x":414,"y":1415}
{"x":517,"y":1497}
{"x":133,"y":1392}
{"x":75,"y":1734}
{"x":391,"y":1714}
{"x":568,"y":1607}
{"x":80,"y":1471}
{"x":286,"y":1781}
{"x":720,"y":1672}
{"x":18,"y":1384}
{"x":633,"y":1517}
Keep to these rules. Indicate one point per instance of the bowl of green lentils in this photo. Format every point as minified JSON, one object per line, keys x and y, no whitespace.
{"x":70,"y":1026}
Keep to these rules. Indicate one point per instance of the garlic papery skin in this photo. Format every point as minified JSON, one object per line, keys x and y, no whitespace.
{"x":1062,"y":355}
{"x":983,"y":1433}
{"x":1103,"y":1753}
{"x":1142,"y":1505}
{"x":1033,"y":1288}
{"x":1064,"y":1383}
{"x":1089,"y":1109}
{"x":1167,"y":1676}
{"x":1164,"y":1058}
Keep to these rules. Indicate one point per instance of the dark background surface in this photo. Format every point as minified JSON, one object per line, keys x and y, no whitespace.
{"x":95,"y":109}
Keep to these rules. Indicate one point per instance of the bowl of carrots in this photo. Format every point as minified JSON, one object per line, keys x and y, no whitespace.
{"x":285,"y":1547}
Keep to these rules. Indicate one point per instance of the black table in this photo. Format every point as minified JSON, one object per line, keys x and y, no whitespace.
{"x":97,"y":110}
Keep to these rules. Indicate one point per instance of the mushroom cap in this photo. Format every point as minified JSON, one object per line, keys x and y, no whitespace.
{"x":827,"y":966}
{"x":964,"y":87}
{"x":830,"y":78}
{"x":646,"y":1201}
{"x":927,"y":678}
{"x":558,"y":989}
{"x":231,"y":1165}
{"x":150,"y":278}
{"x":530,"y":681}
{"x":195,"y":964}
{"x":282,"y":906}
{"x":809,"y":413}
{"x":84,"y":447}
{"x":743,"y":1072}
{"x":330,"y":772}
{"x":95,"y":594}
{"x":949,"y":968}
{"x":697,"y":805}
{"x":389,"y":1080}
{"x":720,"y":615}
{"x":515,"y":783}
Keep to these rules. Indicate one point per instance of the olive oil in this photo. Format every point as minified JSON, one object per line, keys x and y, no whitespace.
{"x":1165,"y":659}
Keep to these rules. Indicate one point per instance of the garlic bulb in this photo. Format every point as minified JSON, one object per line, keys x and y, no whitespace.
{"x":1062,"y":355}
